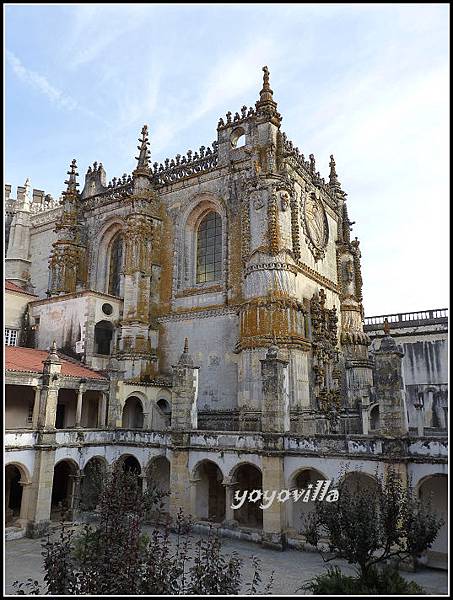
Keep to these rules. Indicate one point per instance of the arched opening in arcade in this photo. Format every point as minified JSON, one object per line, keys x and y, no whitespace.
{"x":92,"y":482}
{"x":158,"y":477}
{"x":130,"y":465}
{"x":247,"y":477}
{"x":133,"y":417}
{"x":165,"y":409}
{"x":15,"y":478}
{"x":64,"y":490}
{"x":356,"y":481}
{"x":374,"y":418}
{"x":209,"y":492}
{"x":433,"y":491}
{"x":305,"y":481}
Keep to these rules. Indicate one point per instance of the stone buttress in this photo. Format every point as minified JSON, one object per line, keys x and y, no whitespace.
{"x":138,"y":337}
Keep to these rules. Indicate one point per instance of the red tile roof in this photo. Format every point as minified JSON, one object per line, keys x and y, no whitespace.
{"x":13,"y":287}
{"x":30,"y":360}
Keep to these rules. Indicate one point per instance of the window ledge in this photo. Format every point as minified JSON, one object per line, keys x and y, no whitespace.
{"x":200,"y":290}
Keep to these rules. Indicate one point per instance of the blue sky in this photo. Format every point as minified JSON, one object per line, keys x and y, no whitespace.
{"x":368,"y":83}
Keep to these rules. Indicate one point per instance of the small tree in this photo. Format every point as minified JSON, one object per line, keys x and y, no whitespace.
{"x":368,"y":527}
{"x":115,"y":557}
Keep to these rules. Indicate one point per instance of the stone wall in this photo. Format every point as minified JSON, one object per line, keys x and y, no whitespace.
{"x":42,"y":236}
{"x":425,"y":370}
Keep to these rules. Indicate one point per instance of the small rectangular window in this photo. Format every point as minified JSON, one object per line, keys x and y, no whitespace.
{"x":11,"y":337}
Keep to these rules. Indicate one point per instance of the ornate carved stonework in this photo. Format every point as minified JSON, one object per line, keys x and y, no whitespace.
{"x":314,"y":223}
{"x":276,"y":316}
{"x":139,"y":239}
{"x":272,"y":217}
{"x":325,"y":357}
{"x":67,"y":262}
{"x":295,"y":226}
{"x":245,"y":231}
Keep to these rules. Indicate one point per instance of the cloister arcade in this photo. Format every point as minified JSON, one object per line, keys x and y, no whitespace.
{"x":77,"y":481}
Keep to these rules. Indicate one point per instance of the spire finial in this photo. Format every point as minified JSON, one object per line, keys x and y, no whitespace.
{"x":53,"y":355}
{"x":27,"y":193}
{"x":72,"y":181}
{"x":185,"y":359}
{"x":144,"y":153}
{"x":333,"y":177}
{"x":266,"y":93}
{"x":386,"y":326}
{"x":266,"y":106}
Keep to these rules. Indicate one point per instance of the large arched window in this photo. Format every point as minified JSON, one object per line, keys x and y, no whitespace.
{"x":209,"y":248}
{"x":116,"y":265}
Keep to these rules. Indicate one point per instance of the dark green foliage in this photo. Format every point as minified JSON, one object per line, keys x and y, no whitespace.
{"x":367,"y":527}
{"x":385,"y":581}
{"x":115,"y":557}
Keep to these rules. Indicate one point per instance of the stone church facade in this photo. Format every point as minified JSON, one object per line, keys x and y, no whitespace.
{"x":214,"y":303}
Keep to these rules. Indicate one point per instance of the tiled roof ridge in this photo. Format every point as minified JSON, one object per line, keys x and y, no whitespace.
{"x":35,"y":365}
{"x":77,"y":362}
{"x":13,"y":287}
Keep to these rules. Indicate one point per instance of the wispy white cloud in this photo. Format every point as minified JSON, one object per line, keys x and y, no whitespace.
{"x":364,"y":82}
{"x":97,"y":27}
{"x":40,"y":83}
{"x":229,"y":79}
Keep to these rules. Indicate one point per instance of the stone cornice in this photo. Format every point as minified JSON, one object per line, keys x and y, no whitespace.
{"x":199,"y":312}
{"x":76,"y":295}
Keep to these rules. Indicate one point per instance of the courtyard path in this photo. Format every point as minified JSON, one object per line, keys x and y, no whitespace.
{"x":292,"y":567}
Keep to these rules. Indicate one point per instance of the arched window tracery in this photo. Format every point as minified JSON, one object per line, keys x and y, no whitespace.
{"x":209,"y":248}
{"x":116,"y":265}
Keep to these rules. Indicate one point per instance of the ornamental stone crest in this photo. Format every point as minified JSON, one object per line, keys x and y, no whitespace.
{"x":314,"y":222}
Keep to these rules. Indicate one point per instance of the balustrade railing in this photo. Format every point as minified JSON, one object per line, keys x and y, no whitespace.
{"x":408,"y":318}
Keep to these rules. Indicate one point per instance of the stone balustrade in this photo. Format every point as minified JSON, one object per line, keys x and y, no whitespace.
{"x":318,"y":445}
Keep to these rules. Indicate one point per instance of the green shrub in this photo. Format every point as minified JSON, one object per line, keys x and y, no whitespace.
{"x":114,"y":557}
{"x":378,"y":581}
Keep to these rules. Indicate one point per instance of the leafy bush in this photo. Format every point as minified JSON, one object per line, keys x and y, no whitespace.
{"x":370,"y":526}
{"x":384,"y":581}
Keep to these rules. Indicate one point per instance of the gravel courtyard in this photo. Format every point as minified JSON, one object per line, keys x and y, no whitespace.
{"x":292,"y":568}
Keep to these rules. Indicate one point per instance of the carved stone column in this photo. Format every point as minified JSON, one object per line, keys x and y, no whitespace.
{"x":419,"y":406}
{"x":102,"y":410}
{"x":274,"y":517}
{"x":389,"y":385}
{"x":230,"y":520}
{"x":179,"y":477}
{"x":184,"y":392}
{"x":35,"y":417}
{"x":40,"y":491}
{"x":365,"y":407}
{"x":49,"y":391}
{"x":275,"y":409}
{"x":80,"y":393}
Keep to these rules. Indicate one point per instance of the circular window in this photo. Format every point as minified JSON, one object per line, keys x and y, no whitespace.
{"x":107,"y":309}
